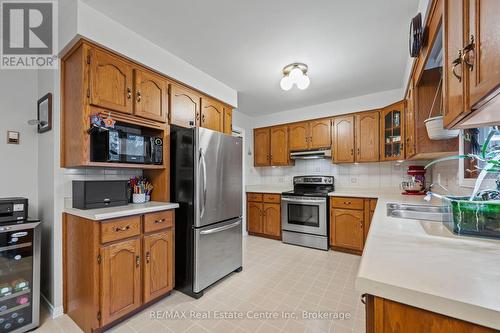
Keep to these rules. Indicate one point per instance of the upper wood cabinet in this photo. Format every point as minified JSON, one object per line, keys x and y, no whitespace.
{"x":472,"y":64}
{"x":262,"y":146}
{"x":299,"y":136}
{"x":110,"y":81}
{"x":158,"y":264}
{"x":367,"y":137}
{"x":212,"y":114}
{"x":314,"y":134}
{"x":343,"y":139}
{"x":120,"y":279}
{"x":410,"y":122}
{"x":392,"y":132}
{"x":279,"y":146}
{"x":228,"y":120}
{"x":184,"y":106}
{"x":151,"y":95}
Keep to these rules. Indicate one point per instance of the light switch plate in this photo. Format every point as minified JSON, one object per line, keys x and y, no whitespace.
{"x":13,"y":137}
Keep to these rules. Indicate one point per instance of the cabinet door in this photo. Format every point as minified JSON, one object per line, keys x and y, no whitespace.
{"x":272,"y":219}
{"x":410,"y":122}
{"x":347,"y":228}
{"x":392,"y":132}
{"x":158,"y":265}
{"x":184,"y":107}
{"x":151,"y":96}
{"x":262,"y":146}
{"x":367,"y":137}
{"x":320,"y":133}
{"x":120,"y":279}
{"x":212,"y":114}
{"x":228,"y":120}
{"x":110,"y":82}
{"x":483,"y":57}
{"x":299,"y":136}
{"x":454,"y":75}
{"x":279,"y":145}
{"x":343,"y":139}
{"x":254,"y":214}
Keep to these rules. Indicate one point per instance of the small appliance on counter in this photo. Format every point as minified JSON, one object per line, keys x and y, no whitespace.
{"x":20,"y":239}
{"x":304,"y":212}
{"x":92,"y":194}
{"x":416,"y":184}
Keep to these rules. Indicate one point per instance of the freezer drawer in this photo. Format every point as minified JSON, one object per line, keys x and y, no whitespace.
{"x":218,"y":252}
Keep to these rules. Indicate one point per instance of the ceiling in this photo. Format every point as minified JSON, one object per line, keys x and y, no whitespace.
{"x":352,"y":47}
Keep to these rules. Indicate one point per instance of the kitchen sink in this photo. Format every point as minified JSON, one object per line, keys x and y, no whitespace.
{"x":419,"y":212}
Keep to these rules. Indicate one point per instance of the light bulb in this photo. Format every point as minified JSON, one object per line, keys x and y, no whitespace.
{"x":296,"y":74}
{"x":286,"y":83}
{"x":303,"y":82}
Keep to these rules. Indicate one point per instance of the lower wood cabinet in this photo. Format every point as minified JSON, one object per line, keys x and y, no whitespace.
{"x":114,"y":268}
{"x":386,"y":316}
{"x":264,"y":215}
{"x":350,"y":220}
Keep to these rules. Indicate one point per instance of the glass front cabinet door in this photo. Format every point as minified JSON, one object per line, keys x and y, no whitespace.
{"x":392,"y":132}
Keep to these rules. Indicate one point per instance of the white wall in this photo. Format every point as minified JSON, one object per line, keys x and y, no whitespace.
{"x":18,"y":162}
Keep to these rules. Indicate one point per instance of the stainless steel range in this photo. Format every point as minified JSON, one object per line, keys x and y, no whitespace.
{"x":304,"y":217}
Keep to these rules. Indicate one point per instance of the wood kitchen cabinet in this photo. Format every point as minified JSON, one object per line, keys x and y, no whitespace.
{"x":313,"y":134}
{"x":184,"y":106}
{"x":271,"y":146}
{"x":151,"y":95}
{"x":392,"y":134}
{"x":228,"y":120}
{"x":387,"y":316}
{"x":262,"y":147}
{"x":212,"y":114}
{"x":114,"y":268}
{"x":410,"y":139}
{"x":350,"y":220}
{"x":367,"y":136}
{"x":343,"y":139}
{"x":264,"y":215}
{"x":472,"y":64}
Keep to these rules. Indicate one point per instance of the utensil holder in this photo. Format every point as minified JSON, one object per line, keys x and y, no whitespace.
{"x":139,"y":198}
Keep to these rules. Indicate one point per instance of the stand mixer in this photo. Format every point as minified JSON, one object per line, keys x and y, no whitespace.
{"x":416,"y":184}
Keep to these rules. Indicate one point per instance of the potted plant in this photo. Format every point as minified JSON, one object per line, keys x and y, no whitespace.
{"x":478,"y":214}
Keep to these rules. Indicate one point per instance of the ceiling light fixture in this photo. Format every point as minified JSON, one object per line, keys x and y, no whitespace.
{"x":295,"y":73}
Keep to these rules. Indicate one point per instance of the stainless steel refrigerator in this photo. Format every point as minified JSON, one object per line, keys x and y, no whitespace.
{"x":206,"y":181}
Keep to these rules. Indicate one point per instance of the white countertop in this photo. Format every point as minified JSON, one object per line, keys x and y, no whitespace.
{"x":423,"y":264}
{"x":268,"y":188}
{"x":115,"y":212}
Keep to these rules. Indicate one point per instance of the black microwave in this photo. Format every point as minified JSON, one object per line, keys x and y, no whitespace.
{"x":125,"y":146}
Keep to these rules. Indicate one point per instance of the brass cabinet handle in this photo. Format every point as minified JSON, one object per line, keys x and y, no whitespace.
{"x":118,"y":229}
{"x":203,"y":118}
{"x":361,"y":224}
{"x":137,"y":261}
{"x":148,"y":257}
{"x":129,"y":93}
{"x":197,"y":116}
{"x":363,"y":299}
{"x":139,"y":96}
{"x":347,"y":202}
{"x":352,"y":151}
{"x":465,"y":55}
{"x":359,"y":152}
{"x":159,"y":221}
{"x":456,"y":62}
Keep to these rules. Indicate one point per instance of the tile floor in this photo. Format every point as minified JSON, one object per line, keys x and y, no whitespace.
{"x":277,"y":280}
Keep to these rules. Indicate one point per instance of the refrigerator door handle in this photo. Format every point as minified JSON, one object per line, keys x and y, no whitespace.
{"x":219,"y":229}
{"x":204,"y":168}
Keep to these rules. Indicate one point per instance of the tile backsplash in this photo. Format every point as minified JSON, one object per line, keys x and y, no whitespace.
{"x":367,"y":175}
{"x":95,"y":174}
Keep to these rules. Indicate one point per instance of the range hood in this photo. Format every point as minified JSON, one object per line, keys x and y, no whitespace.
{"x":311,"y":154}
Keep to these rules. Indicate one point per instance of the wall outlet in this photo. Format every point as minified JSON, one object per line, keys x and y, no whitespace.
{"x":354,"y":180}
{"x":281,"y":180}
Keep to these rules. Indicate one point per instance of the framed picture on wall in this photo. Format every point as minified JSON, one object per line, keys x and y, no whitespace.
{"x":45,"y":113}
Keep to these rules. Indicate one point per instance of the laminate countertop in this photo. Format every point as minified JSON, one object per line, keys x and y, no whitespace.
{"x":121,"y":211}
{"x":276,"y":189}
{"x":423,"y":264}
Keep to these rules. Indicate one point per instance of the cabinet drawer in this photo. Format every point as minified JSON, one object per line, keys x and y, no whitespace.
{"x":257,"y":197}
{"x":120,"y":228}
{"x":158,"y":221}
{"x":349,"y":203}
{"x":271,"y":198}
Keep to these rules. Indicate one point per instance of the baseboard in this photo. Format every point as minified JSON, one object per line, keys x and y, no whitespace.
{"x":54,"y":311}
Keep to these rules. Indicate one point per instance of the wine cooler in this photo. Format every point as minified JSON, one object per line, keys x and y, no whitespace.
{"x":19,"y":267}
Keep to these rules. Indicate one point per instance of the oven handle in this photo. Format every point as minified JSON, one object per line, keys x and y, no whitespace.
{"x":318,"y":200}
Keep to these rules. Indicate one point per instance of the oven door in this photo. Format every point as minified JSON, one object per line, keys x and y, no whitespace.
{"x":304,"y":214}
